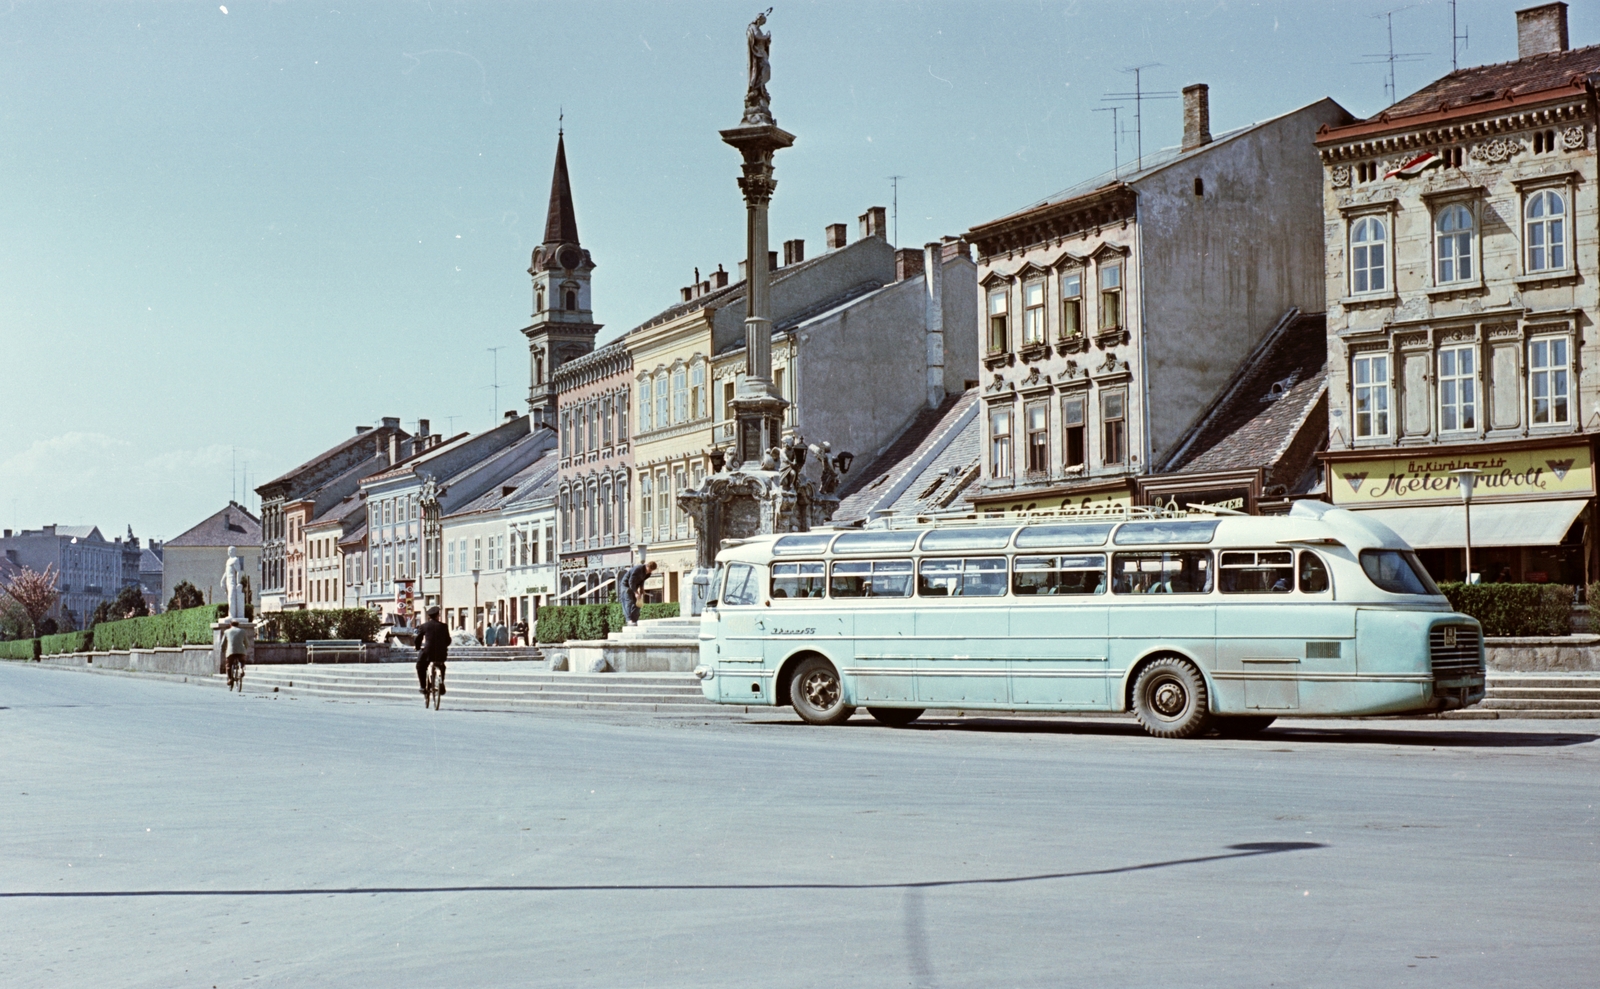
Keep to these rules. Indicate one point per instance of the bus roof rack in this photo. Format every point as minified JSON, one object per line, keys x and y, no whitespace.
{"x":1084,"y":513}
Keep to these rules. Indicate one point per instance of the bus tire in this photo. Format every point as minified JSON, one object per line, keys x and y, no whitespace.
{"x":895,"y":717}
{"x":1169,"y":699}
{"x":817,"y":693}
{"x":1244,"y":725}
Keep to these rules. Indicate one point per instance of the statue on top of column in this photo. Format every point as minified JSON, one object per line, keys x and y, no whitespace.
{"x":757,"y":102}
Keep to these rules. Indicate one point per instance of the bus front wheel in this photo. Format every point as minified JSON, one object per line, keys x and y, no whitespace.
{"x":818,"y":694}
{"x":895,"y":717}
{"x":1169,"y":699}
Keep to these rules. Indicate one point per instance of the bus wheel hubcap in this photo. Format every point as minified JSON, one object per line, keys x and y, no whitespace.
{"x":1169,"y":698}
{"x":822,"y":691}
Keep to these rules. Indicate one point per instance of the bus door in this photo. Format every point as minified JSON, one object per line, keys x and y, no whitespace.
{"x":1277,"y":631}
{"x":875,"y":597}
{"x":1058,"y":655}
{"x":1161,"y":599}
{"x":962,"y":631}
{"x":740,"y":664}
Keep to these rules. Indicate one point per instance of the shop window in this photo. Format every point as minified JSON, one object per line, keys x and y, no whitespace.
{"x":1545,"y":231}
{"x":999,"y":333}
{"x":1000,"y":443}
{"x":1548,"y":380}
{"x":1038,"y":438}
{"x":1111,"y":297}
{"x":1369,"y":257}
{"x":1072,"y":305}
{"x":1458,"y":394}
{"x":1114,"y":427}
{"x":1453,"y":233}
{"x":1033,"y":314}
{"x":1370,"y":377}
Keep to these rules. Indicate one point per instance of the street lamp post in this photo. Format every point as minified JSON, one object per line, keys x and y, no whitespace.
{"x":1467,"y":477}
{"x":475,"y":573}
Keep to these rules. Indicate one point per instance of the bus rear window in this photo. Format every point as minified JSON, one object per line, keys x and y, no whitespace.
{"x":1182,"y":571}
{"x":981,"y":577}
{"x":1397,"y":572}
{"x":798,"y":580}
{"x":871,"y":579}
{"x":1268,"y":571}
{"x":1085,"y":574}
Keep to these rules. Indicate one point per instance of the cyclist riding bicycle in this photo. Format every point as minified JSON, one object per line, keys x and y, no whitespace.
{"x":433,"y":645}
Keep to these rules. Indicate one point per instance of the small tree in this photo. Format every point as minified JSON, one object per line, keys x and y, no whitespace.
{"x":34,"y":592}
{"x":103,"y":612}
{"x":14,"y":623}
{"x":130,"y":603}
{"x":185,"y":595}
{"x":46,"y":626}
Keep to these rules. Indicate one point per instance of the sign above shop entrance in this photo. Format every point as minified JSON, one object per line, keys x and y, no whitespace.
{"x":1506,"y":475}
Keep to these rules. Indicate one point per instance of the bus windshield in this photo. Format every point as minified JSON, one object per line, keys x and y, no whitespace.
{"x":1397,"y":572}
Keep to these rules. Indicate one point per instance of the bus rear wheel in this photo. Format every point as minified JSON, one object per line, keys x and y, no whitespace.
{"x":1169,"y":699}
{"x":1244,"y":725}
{"x":895,"y":717}
{"x":818,"y":694}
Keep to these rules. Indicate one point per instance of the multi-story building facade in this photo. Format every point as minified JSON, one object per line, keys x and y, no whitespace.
{"x":89,"y":566}
{"x":1463,"y":282}
{"x":324,"y":480}
{"x":594,"y":490}
{"x":199,"y":553}
{"x":487,"y":545}
{"x":325,"y":559}
{"x":529,"y":515}
{"x":1114,"y":313}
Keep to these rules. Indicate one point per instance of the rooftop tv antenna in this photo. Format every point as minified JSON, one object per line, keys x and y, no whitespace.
{"x":1116,"y":164}
{"x":494,"y":416}
{"x":894,"y":181}
{"x":1391,"y":95}
{"x":1139,"y":95}
{"x":1455,"y":49}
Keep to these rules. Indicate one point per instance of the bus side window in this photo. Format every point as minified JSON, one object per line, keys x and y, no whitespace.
{"x":1313,"y":573}
{"x":976,"y":577}
{"x":871,"y":579}
{"x":1257,"y":572}
{"x":797,"y":580}
{"x":1085,"y":574}
{"x":1180,"y":571}
{"x":742,"y":586}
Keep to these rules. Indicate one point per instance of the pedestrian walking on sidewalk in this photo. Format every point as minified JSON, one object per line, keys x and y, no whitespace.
{"x":633,"y":590}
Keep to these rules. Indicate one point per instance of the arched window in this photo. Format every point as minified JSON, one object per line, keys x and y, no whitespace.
{"x":566,"y":518}
{"x":572,"y":300}
{"x":1546,"y":231}
{"x":594,"y":511}
{"x":1453,"y":244}
{"x":622,"y":507}
{"x":1368,"y":258}
{"x":538,"y":299}
{"x":606,"y":518}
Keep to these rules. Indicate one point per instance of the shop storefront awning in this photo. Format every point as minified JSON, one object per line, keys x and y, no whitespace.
{"x":1524,"y":523}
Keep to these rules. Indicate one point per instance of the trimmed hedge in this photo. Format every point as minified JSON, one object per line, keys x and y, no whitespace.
{"x":55,"y":645}
{"x":311,"y":626}
{"x":191,"y":626}
{"x":1514,"y":609}
{"x":18,"y":648}
{"x":560,"y":622}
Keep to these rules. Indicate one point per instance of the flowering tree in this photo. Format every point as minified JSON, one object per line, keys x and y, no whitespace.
{"x":34,"y":592}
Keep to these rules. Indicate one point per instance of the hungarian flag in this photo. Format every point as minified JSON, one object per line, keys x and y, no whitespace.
{"x":1416,"y":166}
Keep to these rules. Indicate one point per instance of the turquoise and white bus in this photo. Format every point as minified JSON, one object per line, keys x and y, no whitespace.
{"x":1194,"y":622}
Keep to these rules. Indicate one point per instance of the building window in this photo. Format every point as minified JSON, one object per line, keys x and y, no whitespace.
{"x":1038,"y":419}
{"x":622,"y":507}
{"x":1547,"y":371}
{"x":1371,"y":378}
{"x":1544,"y":142}
{"x":1368,"y":258}
{"x":777,"y":382}
{"x":1114,"y":427}
{"x":550,"y":545}
{"x":566,"y":520}
{"x":998,"y":333}
{"x":646,"y":508}
{"x":645,"y":408}
{"x":697,"y":392}
{"x":1453,"y":244}
{"x":1458,"y":395}
{"x":450,"y":557}
{"x":572,"y":301}
{"x":1367,"y":171}
{"x":663,"y":506}
{"x":1072,"y":305}
{"x":1000,"y":443}
{"x":1546,"y":231}
{"x":1072,"y":426}
{"x":477,"y":553}
{"x":580,"y":429}
{"x":1111,"y":297}
{"x":727,"y":400}
{"x":680,"y":521}
{"x":388,"y":514}
{"x":605,"y":421}
{"x":538,"y":299}
{"x":605,"y":511}
{"x":566,"y":434}
{"x":680,"y":396}
{"x":592,"y":411}
{"x":1033,"y":313}
{"x":662,"y":398}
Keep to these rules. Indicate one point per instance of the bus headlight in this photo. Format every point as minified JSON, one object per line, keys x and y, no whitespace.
{"x":704,"y":672}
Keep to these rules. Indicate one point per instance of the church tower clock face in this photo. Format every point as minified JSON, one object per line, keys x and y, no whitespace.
{"x":570,"y":257}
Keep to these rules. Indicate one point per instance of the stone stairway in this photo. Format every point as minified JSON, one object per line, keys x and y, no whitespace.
{"x":1536,"y":695}
{"x":660,"y":645}
{"x":495,"y":686}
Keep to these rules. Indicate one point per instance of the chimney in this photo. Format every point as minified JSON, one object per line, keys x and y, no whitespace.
{"x":8,"y":534}
{"x":363,"y":429}
{"x":744,"y":266}
{"x":874,"y":223}
{"x":794,"y":251}
{"x":1542,"y":30}
{"x":719,"y":278}
{"x":907,"y":263}
{"x":834,"y":235}
{"x":686,"y":293}
{"x":422,"y":428}
{"x":933,"y":319}
{"x":1196,"y":116}
{"x":511,"y":415}
{"x":394,"y":448}
{"x":391,"y":422}
{"x":955,"y":247}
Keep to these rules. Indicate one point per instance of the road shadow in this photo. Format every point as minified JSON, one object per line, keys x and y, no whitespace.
{"x":1251,"y":849}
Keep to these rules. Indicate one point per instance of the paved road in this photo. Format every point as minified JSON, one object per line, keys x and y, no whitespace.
{"x":161,"y":834}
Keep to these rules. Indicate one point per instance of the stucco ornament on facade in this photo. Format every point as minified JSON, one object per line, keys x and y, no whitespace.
{"x":1496,"y":151}
{"x":1341,"y":176}
{"x":1574,"y":137}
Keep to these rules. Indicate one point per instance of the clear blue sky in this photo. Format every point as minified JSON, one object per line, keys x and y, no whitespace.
{"x":237,"y":235}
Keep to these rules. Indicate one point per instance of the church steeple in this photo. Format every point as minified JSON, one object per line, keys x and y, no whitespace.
{"x":563,"y":324}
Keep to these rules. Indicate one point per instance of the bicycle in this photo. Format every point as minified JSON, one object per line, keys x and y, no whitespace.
{"x":435,"y":686}
{"x":236,"y":673}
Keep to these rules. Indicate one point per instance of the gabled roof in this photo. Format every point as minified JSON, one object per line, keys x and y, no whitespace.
{"x":80,"y":531}
{"x":232,"y":526}
{"x":343,"y":511}
{"x":892,"y":482}
{"x":365,"y":436}
{"x":725,"y":296}
{"x":538,"y":481}
{"x":512,"y":488}
{"x":1265,"y":404}
{"x":149,"y":562}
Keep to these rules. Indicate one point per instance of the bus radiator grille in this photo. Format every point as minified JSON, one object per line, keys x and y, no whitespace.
{"x":1454,"y":651}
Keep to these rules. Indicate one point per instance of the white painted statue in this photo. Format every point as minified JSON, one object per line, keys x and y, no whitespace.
{"x":233,"y":584}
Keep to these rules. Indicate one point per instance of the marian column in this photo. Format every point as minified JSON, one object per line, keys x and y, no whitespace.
{"x":757,"y":408}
